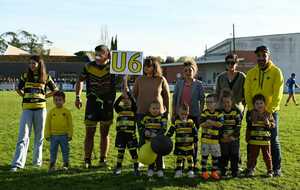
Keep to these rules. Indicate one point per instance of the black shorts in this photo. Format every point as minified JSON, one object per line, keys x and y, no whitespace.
{"x":124,"y":140}
{"x":98,"y":110}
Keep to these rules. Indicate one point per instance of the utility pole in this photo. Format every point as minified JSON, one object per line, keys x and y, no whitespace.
{"x":233,"y":38}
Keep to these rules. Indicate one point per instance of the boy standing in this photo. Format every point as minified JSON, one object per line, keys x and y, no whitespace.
{"x":230,"y":136}
{"x":153,"y":124}
{"x":258,"y":135}
{"x":186,"y":137}
{"x":211,"y":123}
{"x":126,"y":131}
{"x":59,"y":130}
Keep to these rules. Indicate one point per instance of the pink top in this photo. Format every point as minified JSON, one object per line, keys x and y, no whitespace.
{"x":187,"y":94}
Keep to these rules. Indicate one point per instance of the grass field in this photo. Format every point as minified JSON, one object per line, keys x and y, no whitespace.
{"x":79,"y":178}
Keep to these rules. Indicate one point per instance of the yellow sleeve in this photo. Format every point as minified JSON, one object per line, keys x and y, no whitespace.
{"x":277,"y":92}
{"x":70,"y":124}
{"x":247,"y":91}
{"x":48,"y":125}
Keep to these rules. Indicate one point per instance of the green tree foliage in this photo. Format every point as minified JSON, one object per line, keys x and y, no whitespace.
{"x":26,"y":41}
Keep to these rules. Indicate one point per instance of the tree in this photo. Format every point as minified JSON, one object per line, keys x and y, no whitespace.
{"x":114,"y":43}
{"x":170,"y":59}
{"x":26,"y":41}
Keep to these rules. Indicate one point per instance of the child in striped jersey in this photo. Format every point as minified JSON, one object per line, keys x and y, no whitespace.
{"x":186,"y":137}
{"x":126,"y":132}
{"x":230,"y":136}
{"x":154,"y":123}
{"x":211,"y":122}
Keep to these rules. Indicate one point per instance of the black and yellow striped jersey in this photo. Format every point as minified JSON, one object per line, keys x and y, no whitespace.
{"x":99,"y":82}
{"x":35,"y":91}
{"x":154,"y":124}
{"x":126,"y":119}
{"x":186,"y":134}
{"x":232,"y":123}
{"x":259,"y":131}
{"x":210,"y":134}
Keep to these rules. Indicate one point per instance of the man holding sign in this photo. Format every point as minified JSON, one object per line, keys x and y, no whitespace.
{"x":100,"y":93}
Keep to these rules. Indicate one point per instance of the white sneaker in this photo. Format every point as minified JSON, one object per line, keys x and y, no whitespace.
{"x":191,"y":174}
{"x":178,"y":174}
{"x":141,"y":165}
{"x":118,"y":171}
{"x":160,"y":173}
{"x":150,"y":173}
{"x":14,"y":169}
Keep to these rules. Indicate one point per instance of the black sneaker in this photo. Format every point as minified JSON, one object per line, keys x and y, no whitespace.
{"x":136,"y":172}
{"x":51,"y":168}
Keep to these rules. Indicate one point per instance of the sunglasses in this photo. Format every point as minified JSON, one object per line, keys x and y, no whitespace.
{"x":230,"y":62}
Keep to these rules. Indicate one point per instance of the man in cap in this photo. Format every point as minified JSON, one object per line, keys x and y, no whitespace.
{"x":266,"y":78}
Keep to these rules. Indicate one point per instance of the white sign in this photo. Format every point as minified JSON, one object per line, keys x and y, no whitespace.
{"x":126,"y":62}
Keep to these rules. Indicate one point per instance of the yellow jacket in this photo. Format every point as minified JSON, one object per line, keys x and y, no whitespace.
{"x":59,"y":122}
{"x":269,"y":83}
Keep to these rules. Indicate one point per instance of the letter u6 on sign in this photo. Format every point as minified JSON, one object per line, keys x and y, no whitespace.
{"x":126,"y":62}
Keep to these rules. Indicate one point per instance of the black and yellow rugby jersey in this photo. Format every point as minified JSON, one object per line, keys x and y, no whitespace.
{"x":155,"y":124}
{"x":260,"y":134}
{"x":126,"y":120}
{"x":99,"y":82}
{"x":210,"y":134}
{"x":34,"y":91}
{"x":232,"y":123}
{"x":186,"y":134}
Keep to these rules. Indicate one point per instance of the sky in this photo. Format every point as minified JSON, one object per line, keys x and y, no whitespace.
{"x":156,"y":27}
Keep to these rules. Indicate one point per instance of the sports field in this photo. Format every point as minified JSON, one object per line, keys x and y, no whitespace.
{"x":96,"y":178}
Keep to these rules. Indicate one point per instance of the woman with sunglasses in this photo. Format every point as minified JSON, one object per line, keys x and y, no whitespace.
{"x":189,"y":90}
{"x":232,"y":80}
{"x":32,"y":88}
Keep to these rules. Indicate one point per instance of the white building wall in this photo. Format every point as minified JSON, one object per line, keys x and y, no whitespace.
{"x":285,"y":50}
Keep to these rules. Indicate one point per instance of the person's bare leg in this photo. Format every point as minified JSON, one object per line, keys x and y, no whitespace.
{"x":104,"y":141}
{"x":287,"y":101}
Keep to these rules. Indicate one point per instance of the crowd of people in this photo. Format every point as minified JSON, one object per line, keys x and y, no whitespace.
{"x":203,"y":125}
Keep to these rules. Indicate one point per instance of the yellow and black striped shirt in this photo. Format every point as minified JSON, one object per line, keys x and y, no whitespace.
{"x":154,"y":124}
{"x":186,"y":134}
{"x":126,"y":120}
{"x":232,"y":123}
{"x":210,"y":134}
{"x":35,"y":91}
{"x":260,"y":133}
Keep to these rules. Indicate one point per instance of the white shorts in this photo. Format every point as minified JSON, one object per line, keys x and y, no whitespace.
{"x":211,"y":149}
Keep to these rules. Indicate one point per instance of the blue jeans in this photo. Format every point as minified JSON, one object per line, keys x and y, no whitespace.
{"x":62,"y":141}
{"x":275,"y":144}
{"x":29,"y":119}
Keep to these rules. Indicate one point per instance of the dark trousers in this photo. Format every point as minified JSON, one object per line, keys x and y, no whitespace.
{"x":158,"y":163}
{"x":253,"y":154}
{"x":230,"y":152}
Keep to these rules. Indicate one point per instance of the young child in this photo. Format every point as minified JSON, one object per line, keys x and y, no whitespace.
{"x":126,"y":132}
{"x":59,"y":130}
{"x":153,"y":124}
{"x":258,"y":135}
{"x":230,"y":136}
{"x":211,"y":122}
{"x":186,"y":137}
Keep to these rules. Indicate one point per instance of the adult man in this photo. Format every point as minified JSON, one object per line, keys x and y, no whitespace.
{"x":266,"y":78}
{"x":100,"y":93}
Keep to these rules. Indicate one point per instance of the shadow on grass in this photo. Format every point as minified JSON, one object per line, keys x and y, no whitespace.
{"x":90,"y":179}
